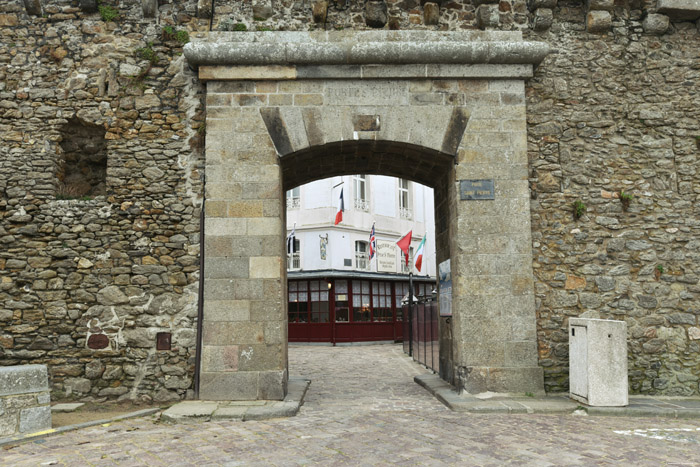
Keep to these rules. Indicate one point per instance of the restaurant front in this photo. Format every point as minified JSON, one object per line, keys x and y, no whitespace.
{"x":342,"y":307}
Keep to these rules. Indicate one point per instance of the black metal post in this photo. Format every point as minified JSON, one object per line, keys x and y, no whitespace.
{"x":410,"y":314}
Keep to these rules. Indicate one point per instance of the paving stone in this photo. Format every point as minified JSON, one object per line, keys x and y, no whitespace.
{"x":67,"y":407}
{"x":363,"y":408}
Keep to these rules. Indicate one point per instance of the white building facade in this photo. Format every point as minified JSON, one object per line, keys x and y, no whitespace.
{"x":394,"y":206}
{"x":335,"y":292}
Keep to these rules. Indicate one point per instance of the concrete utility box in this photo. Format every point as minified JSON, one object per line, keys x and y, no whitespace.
{"x":598,"y":362}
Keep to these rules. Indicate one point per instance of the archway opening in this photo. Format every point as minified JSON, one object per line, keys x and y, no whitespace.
{"x":337,"y":293}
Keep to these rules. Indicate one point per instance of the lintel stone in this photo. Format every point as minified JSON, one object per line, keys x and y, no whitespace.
{"x":344,"y":48}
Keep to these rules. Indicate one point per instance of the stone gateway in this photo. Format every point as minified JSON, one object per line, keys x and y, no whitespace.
{"x":142,"y":181}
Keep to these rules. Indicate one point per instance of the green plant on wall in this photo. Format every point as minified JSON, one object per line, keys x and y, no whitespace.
{"x":147,"y":53}
{"x":625,"y":199}
{"x":658,"y":271}
{"x":171,"y":34}
{"x":107,"y":12}
{"x":229,"y":25}
{"x":579,"y":209}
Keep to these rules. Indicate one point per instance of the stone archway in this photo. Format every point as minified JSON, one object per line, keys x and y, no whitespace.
{"x":443,"y":108}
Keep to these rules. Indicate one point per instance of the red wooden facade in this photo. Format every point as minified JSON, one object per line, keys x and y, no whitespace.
{"x":348,"y":309}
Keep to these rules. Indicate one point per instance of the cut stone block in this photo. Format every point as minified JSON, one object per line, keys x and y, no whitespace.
{"x":35,"y":419}
{"x":204,"y":8}
{"x":33,"y":7}
{"x":656,"y":24}
{"x":89,"y":6}
{"x":150,"y":8}
{"x":194,"y":411}
{"x":319,"y":11}
{"x":598,"y":21}
{"x":262,"y":9}
{"x":23,"y":379}
{"x":72,"y":407}
{"x":431,"y":13}
{"x":487,"y":16}
{"x":680,"y":10}
{"x":536,"y":4}
{"x":543,"y":19}
{"x":376,"y":14}
{"x":606,"y":5}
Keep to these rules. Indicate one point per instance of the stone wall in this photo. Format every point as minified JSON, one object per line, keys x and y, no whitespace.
{"x":86,"y":284}
{"x":89,"y":275}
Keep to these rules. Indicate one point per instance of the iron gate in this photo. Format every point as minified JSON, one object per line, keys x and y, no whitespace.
{"x":420,"y":334}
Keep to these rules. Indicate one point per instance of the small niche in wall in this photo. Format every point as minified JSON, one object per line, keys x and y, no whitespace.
{"x":83,"y":168}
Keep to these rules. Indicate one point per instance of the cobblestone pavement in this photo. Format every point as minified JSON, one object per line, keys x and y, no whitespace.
{"x":363,"y":408}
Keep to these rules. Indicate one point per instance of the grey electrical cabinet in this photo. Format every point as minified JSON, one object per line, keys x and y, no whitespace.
{"x":598,"y":362}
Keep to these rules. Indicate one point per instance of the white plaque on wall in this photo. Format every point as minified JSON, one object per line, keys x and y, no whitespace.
{"x":386,"y":256}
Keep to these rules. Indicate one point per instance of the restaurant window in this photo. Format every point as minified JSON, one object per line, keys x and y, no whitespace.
{"x":381,"y":301}
{"x":298,"y":302}
{"x":361,"y":305}
{"x":361,"y":256}
{"x":400,"y":291}
{"x":318,"y":293}
{"x":341,"y":302}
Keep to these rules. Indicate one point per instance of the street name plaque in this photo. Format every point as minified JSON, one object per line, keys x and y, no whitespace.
{"x":476,"y":189}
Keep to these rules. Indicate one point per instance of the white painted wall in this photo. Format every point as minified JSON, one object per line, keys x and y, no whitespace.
{"x":317,"y":210}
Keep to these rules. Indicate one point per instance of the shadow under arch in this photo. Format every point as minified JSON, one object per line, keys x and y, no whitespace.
{"x":372,"y":157}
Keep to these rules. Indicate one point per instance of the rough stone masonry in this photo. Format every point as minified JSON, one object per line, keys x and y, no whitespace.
{"x":88,"y":280}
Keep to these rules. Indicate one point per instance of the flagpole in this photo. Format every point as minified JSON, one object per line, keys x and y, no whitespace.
{"x":410,"y":314}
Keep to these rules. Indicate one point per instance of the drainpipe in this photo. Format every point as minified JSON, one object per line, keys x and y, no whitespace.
{"x":200,"y":301}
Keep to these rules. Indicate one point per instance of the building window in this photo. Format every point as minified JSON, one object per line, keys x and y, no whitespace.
{"x":406,"y":268}
{"x":404,"y":200}
{"x":298,"y":302}
{"x":318,"y":292}
{"x":293,"y":259}
{"x":293,"y":198}
{"x":381,"y":301}
{"x":341,"y":302}
{"x":361,"y":305}
{"x":360,"y":187}
{"x":361,"y":256}
{"x":400,"y":291}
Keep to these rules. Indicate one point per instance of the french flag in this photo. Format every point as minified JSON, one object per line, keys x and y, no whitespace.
{"x":341,"y":208}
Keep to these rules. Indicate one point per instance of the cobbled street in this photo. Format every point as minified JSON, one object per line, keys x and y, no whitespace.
{"x":363,"y":408}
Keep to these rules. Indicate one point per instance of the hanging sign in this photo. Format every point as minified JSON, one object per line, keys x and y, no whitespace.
{"x":386,"y":256}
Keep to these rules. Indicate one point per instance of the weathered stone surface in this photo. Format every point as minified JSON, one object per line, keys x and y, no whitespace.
{"x":149,"y":7}
{"x":262,"y":9}
{"x":487,"y":16}
{"x":33,"y":7}
{"x":656,"y":23}
{"x":319,"y":11}
{"x":23,"y":379}
{"x":35,"y":419}
{"x":606,"y":5}
{"x":431,"y":13}
{"x":679,"y":10}
{"x":112,"y":295}
{"x":598,"y":21}
{"x":543,"y":19}
{"x":376,"y":14}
